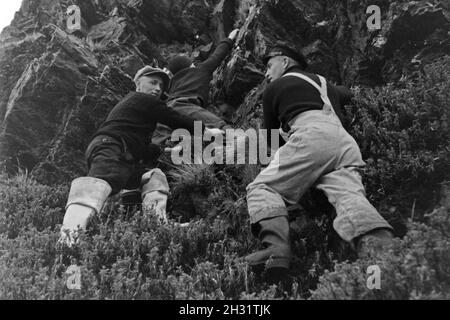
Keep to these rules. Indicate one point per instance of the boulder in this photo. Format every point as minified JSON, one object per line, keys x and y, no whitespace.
{"x":56,"y":104}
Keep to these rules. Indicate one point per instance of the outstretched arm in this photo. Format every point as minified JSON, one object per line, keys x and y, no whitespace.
{"x":222,"y":50}
{"x":173,"y":119}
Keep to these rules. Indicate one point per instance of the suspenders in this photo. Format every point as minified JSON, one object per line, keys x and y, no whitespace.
{"x":327,"y":106}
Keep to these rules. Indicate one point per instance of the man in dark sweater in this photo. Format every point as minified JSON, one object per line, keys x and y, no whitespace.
{"x":189,"y":87}
{"x":316,"y":152}
{"x":117,"y":148}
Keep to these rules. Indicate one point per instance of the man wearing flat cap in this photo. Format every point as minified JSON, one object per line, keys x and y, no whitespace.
{"x":117,"y":148}
{"x":189,"y":87}
{"x":316,"y":152}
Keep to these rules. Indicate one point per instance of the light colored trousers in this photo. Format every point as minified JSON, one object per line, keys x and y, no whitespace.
{"x":321,"y":154}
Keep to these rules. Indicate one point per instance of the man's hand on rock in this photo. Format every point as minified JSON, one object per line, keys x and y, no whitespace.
{"x":233,"y":35}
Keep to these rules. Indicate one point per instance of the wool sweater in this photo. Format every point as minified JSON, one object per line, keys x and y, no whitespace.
{"x":134,"y":120}
{"x":287,"y":97}
{"x":194,"y":82}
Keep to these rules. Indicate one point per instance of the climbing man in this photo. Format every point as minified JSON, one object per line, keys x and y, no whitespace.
{"x":117,"y":148}
{"x":189,"y":87}
{"x":319,"y":153}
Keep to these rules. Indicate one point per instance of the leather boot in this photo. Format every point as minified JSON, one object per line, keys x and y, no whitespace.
{"x":86,"y":198}
{"x":374,"y":242}
{"x":276,"y":257}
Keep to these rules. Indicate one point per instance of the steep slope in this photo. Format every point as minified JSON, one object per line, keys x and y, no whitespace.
{"x":57,"y":86}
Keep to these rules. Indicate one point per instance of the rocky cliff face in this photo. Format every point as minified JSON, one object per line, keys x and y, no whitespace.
{"x":57,"y":86}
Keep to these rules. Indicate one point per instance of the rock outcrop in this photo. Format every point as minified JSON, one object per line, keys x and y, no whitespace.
{"x":57,"y":86}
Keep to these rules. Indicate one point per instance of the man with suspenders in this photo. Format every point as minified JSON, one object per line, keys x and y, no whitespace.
{"x":316,"y":152}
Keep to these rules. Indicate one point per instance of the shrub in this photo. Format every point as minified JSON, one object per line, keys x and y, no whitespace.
{"x":24,"y":203}
{"x":132,"y":257}
{"x":417,"y":267}
{"x":404,"y":134}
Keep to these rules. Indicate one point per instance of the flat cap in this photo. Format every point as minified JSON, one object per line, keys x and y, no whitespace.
{"x":148,"y":71}
{"x":282,"y":49}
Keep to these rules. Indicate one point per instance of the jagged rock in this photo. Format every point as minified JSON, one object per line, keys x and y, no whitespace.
{"x":445,"y":194}
{"x":35,"y":14}
{"x":172,"y":19}
{"x":250,"y":113}
{"x":376,"y":57}
{"x":223,"y":17}
{"x":407,"y":31}
{"x":262,"y":26}
{"x":14,"y":58}
{"x":55,"y":106}
{"x":322,"y":60}
{"x":113,"y":29}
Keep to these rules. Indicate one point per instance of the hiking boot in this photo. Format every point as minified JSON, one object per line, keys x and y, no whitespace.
{"x":275,"y":258}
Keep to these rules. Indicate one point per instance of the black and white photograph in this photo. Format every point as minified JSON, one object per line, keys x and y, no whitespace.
{"x":242,"y":152}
